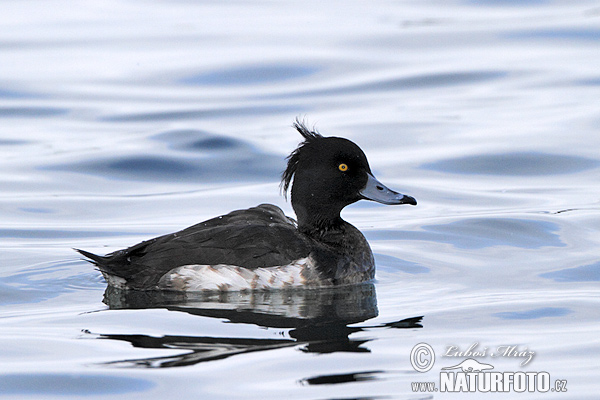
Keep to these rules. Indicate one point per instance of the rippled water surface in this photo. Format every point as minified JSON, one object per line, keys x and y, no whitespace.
{"x":121,"y":121}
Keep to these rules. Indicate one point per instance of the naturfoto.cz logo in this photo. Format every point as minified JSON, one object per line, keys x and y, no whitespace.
{"x":471,"y":375}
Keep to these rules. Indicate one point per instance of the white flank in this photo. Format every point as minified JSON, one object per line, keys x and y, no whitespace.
{"x":115,"y":281}
{"x":193,"y":278}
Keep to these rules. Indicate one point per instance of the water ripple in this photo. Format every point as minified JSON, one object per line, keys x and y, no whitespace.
{"x":478,"y":233}
{"x":203,"y":142}
{"x":212,"y":158}
{"x":385,"y":261}
{"x":56,"y":384}
{"x":553,"y":34}
{"x":31,"y":112}
{"x":46,"y":281}
{"x":536,"y":313}
{"x":584,"y":273}
{"x":248,"y":167}
{"x":230,"y":112}
{"x":420,"y":81}
{"x":514,"y":164}
{"x":250,"y":75}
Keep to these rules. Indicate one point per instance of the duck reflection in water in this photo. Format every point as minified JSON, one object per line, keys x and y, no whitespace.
{"x":318,"y":320}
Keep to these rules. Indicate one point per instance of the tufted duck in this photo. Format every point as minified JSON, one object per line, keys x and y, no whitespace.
{"x":261,"y":248}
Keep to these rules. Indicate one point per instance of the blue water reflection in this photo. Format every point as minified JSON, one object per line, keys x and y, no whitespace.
{"x":508,"y":2}
{"x":12,"y":142}
{"x":216,"y":159}
{"x":31,"y":112}
{"x":57,"y":384}
{"x":397,"y":264}
{"x":567,"y":34}
{"x":13,"y":94}
{"x":231,"y":112}
{"x":47,"y":281}
{"x":584,"y":273}
{"x":204,"y":142}
{"x":479,"y":233}
{"x":535,"y":313}
{"x":21,"y":233}
{"x":418,"y":81}
{"x":251,"y":75}
{"x":515,"y":164}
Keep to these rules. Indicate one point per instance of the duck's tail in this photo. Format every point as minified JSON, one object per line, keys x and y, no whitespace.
{"x":107,"y":267}
{"x":93,"y":258}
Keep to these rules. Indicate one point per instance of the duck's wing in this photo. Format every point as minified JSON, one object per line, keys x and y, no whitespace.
{"x":261,"y":236}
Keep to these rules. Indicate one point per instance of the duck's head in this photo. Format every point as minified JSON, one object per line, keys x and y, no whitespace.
{"x":328,"y":174}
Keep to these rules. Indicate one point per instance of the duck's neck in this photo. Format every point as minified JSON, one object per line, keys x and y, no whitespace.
{"x":318,"y":221}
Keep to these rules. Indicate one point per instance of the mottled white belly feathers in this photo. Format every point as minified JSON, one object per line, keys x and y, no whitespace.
{"x":196,"y":278}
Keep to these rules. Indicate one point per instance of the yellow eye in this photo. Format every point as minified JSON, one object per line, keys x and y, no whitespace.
{"x":343,"y":167}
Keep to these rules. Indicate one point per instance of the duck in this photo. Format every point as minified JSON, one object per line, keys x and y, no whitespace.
{"x":260,"y":248}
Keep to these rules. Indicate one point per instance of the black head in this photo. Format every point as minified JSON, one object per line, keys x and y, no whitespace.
{"x":328,"y":174}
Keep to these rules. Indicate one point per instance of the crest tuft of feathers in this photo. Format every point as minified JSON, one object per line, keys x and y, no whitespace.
{"x":310,"y":136}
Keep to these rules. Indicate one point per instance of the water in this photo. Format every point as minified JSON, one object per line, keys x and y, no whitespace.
{"x":126,"y":120}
